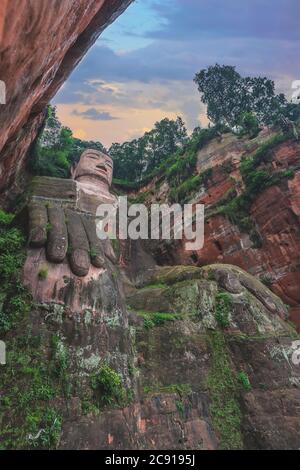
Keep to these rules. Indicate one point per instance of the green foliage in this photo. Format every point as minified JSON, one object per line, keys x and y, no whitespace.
{"x":249,"y":164}
{"x":177,"y":166}
{"x":51,"y":424}
{"x":267,"y":280}
{"x":57,"y":150}
{"x":226,"y":167}
{"x":180,"y":406}
{"x":189,"y":186}
{"x":108,"y":387}
{"x":287,"y":174}
{"x":232,"y":99}
{"x":14,"y":298}
{"x":158,"y":285}
{"x":48,"y":225}
{"x":5,"y":218}
{"x":256,"y":180}
{"x":244,"y":381}
{"x":255,"y":237}
{"x":153,"y":319}
{"x":54,"y":161}
{"x":134,"y":160}
{"x":127,"y":185}
{"x":223,"y":309}
{"x":60,"y":363}
{"x":183,"y":163}
{"x":224,"y":394}
{"x":250,"y":124}
{"x":88,"y":407}
{"x":29,"y":387}
{"x":43,"y":274}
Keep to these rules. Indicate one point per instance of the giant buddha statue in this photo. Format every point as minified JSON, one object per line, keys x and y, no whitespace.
{"x":63,"y":247}
{"x":93,"y":177}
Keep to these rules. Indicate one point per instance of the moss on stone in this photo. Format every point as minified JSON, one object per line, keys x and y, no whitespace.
{"x":256,"y":180}
{"x":223,"y":309}
{"x":15,"y":300}
{"x":29,"y":389}
{"x":172,"y":274}
{"x":223,"y":389}
{"x":109,"y":389}
{"x":152,"y":319}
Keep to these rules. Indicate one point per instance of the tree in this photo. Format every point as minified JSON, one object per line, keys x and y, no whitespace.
{"x":229,"y":96}
{"x":222,"y":92}
{"x":196,"y":132}
{"x":134,"y":160}
{"x":249,"y":124}
{"x":128,"y":159}
{"x":164,"y":139}
{"x":56,"y":149}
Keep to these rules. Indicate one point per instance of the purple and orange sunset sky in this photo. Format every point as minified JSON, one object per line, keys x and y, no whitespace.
{"x":141,"y":69}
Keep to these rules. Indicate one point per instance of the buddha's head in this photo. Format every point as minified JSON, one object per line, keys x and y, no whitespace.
{"x":94,"y":164}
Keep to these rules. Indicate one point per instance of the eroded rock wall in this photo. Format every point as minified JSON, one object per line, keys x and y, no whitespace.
{"x":147,"y":357}
{"x":195,"y":384}
{"x":40,"y":44}
{"x":273,"y":252}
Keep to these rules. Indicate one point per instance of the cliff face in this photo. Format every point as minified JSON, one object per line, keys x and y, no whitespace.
{"x":40,"y":44}
{"x":195,"y":386}
{"x":168,"y":358}
{"x":267,"y":243}
{"x":132,"y":355}
{"x":131,"y":345}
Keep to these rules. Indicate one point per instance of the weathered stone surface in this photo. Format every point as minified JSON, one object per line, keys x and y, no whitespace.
{"x":72,"y":213}
{"x":170,"y":369}
{"x":156,"y":423}
{"x":93,"y":176}
{"x":38,"y":220}
{"x":79,"y":256}
{"x":259,"y":344}
{"x":57,"y":245}
{"x":172,"y":406}
{"x":96,"y":249}
{"x":274,"y":214}
{"x":44,"y":187}
{"x":40,"y":45}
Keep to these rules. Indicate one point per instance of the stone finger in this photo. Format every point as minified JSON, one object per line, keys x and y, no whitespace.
{"x":57,"y":236}
{"x":96,"y":251}
{"x":78,"y":242}
{"x":38,"y":220}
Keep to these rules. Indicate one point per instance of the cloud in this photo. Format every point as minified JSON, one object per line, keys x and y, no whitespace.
{"x":186,"y":19}
{"x":132,"y":122}
{"x":94,"y":115}
{"x":163,"y":61}
{"x":157,"y":78}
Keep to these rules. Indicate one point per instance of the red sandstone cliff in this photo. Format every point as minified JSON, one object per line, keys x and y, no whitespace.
{"x":274,"y":213}
{"x":40,"y":44}
{"x":183,"y":338}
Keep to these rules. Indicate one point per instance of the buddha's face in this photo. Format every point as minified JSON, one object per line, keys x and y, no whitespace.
{"x":95,"y":164}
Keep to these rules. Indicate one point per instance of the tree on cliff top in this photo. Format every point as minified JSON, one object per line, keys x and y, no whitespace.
{"x":135,"y":159}
{"x":229,"y":96}
{"x":56,"y":149}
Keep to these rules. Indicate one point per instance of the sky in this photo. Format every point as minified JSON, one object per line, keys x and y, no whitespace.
{"x":141,"y":69}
